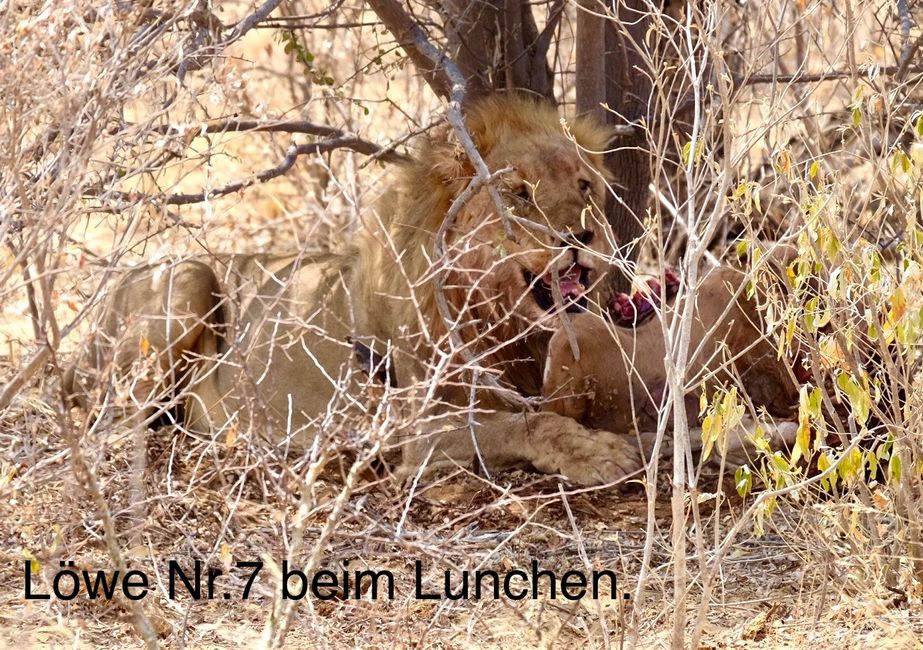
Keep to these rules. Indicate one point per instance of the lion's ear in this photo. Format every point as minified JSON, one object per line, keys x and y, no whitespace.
{"x":595,"y":139}
{"x":592,"y":134}
{"x":448,"y":161}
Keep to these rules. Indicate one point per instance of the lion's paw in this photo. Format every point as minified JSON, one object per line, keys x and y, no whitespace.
{"x":590,"y":457}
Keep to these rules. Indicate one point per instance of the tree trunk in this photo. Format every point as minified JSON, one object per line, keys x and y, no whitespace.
{"x":609,"y":67}
{"x":497,"y":45}
{"x":591,"y":61}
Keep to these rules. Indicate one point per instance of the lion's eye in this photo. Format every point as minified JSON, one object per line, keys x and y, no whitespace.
{"x":522,"y":192}
{"x":584,"y":185}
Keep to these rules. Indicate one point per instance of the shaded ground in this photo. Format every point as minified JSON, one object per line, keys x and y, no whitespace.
{"x":772,"y":592}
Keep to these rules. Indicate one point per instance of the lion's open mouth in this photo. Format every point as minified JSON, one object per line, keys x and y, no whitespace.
{"x":573,"y":283}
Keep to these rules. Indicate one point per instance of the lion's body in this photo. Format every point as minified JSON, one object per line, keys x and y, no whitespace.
{"x":269,"y":341}
{"x":618,"y":379}
{"x":194,"y":316}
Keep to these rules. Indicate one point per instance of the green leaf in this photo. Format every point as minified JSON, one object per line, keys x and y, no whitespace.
{"x":813,"y":169}
{"x":873,"y":331}
{"x":871,"y":463}
{"x":781,"y":464}
{"x":743,"y":480}
{"x":856,"y":116}
{"x":894,"y":468}
{"x":814,"y":402}
{"x":900,"y":160}
{"x":858,"y":397}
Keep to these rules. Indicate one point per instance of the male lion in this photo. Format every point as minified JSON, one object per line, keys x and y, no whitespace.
{"x":616,"y":377}
{"x":269,"y":342}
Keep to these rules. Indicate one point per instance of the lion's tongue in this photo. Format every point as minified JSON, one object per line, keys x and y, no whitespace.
{"x":569,"y":281}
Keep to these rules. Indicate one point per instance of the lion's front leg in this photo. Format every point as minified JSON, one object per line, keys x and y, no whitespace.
{"x":736,"y":446}
{"x":548,"y":442}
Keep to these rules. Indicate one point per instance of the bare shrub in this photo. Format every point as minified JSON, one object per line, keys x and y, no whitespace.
{"x":783,"y":136}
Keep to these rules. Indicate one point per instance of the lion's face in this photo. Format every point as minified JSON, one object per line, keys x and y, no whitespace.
{"x":559,"y":234}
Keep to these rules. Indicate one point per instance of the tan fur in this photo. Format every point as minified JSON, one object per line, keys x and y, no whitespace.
{"x":293,"y":318}
{"x":618,"y":382}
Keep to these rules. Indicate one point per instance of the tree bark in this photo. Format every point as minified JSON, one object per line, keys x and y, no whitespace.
{"x":410,"y":36}
{"x":591,"y":61}
{"x":628,"y":92}
{"x":609,"y":71}
{"x":497,"y":45}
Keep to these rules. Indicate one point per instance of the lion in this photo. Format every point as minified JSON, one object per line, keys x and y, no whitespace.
{"x":270,"y":341}
{"x":616,"y":378}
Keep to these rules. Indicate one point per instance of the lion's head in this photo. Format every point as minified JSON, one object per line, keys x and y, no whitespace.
{"x":504,"y":275}
{"x":504,"y":268}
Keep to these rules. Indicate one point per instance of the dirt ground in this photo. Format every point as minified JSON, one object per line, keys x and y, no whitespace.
{"x":773,"y":591}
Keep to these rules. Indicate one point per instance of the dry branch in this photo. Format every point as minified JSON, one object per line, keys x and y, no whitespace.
{"x":345,"y":139}
{"x":436,"y":68}
{"x":248,"y":23}
{"x":291,"y":156}
{"x":833,"y":75}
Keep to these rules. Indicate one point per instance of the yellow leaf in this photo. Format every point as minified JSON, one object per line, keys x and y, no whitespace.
{"x":824,"y":462}
{"x":34,"y":565}
{"x":858,"y":397}
{"x":8,"y":476}
{"x":711,"y":429}
{"x":760,"y":440}
{"x":231,"y":436}
{"x":802,"y":441}
{"x":850,"y":465}
{"x":898,"y":303}
{"x":224,"y":554}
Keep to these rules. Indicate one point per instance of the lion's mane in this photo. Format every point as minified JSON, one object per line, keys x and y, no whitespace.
{"x":397,"y":241}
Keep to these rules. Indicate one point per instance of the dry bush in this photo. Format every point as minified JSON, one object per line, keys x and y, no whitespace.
{"x":142,"y":134}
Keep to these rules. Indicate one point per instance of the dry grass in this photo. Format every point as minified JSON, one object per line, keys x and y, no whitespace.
{"x":828,"y":566}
